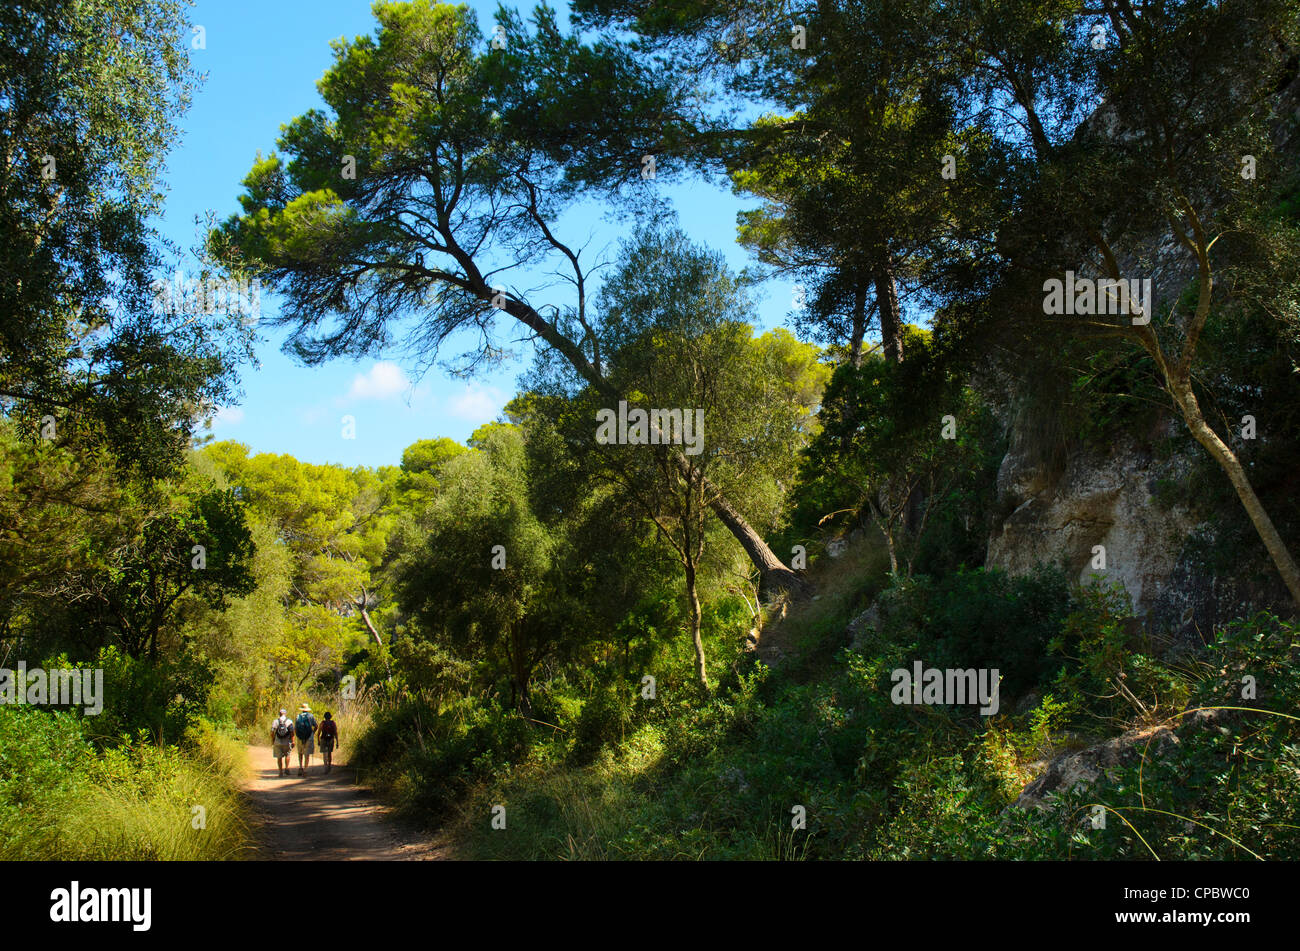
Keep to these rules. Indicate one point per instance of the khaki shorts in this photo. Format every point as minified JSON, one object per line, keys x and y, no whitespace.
{"x":281,"y":750}
{"x":307,"y":746}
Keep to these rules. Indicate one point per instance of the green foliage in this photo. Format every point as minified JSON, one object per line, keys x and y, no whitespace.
{"x":324,"y":534}
{"x":159,"y":700}
{"x":36,"y":747}
{"x":59,"y":505}
{"x":492,"y":127}
{"x":87,"y":130}
{"x":484,"y":576}
{"x":612,"y":775}
{"x":1227,"y":790}
{"x":429,"y":758}
{"x":984,"y":619}
{"x":203,"y":549}
{"x":881,"y":457}
{"x":428,"y":668}
{"x":62,"y":800}
{"x":606,"y":718}
{"x":516,"y":673}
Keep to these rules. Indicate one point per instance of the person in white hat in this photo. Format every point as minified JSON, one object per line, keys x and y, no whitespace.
{"x":282,"y":741}
{"x":305,"y":728}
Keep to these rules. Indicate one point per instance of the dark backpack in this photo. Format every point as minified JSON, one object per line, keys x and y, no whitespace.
{"x":283,"y":729}
{"x":328,"y":729}
{"x":303,"y":725}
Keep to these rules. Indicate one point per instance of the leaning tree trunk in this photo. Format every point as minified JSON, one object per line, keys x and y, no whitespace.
{"x":774,"y":576}
{"x":1236,"y":473}
{"x":374,"y":632}
{"x":1178,"y":382}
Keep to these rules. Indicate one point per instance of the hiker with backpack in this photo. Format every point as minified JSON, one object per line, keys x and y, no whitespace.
{"x":329,"y":737}
{"x":282,"y":741}
{"x":305,"y":728}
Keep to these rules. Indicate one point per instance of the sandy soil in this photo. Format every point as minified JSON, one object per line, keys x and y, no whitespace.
{"x":321,"y":817}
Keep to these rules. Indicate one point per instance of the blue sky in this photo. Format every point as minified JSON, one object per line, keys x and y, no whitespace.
{"x":262,"y":62}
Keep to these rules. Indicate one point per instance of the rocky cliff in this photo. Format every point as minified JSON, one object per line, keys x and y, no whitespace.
{"x":1124,"y":516}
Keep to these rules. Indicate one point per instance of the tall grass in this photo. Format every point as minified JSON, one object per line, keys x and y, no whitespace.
{"x":62,"y":800}
{"x":161,"y":803}
{"x":575,"y":815}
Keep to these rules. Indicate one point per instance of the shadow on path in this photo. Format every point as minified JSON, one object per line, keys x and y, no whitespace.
{"x":320,"y":817}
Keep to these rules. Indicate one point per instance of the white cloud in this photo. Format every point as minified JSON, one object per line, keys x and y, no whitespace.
{"x":384,"y":381}
{"x":227,"y":416}
{"x":476,"y":403}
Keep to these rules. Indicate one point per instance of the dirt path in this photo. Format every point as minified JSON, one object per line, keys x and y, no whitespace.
{"x":321,"y":817}
{"x":772,"y":646}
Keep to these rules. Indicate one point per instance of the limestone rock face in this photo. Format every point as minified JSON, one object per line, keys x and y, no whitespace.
{"x":1097,"y":499}
{"x":1155,"y":548}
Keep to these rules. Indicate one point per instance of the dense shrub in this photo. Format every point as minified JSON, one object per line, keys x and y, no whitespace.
{"x":163,"y":699}
{"x":984,"y":619}
{"x":428,"y":757}
{"x":605,"y":718}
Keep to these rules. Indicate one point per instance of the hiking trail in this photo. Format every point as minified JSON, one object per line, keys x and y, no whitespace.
{"x":320,"y":817}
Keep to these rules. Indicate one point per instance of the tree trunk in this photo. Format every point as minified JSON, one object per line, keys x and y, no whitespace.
{"x":519,"y":695}
{"x":701,"y":671}
{"x":1231,"y":465}
{"x":886,"y":526}
{"x":859,"y":326}
{"x":774,"y":576}
{"x":520,"y":674}
{"x":855,"y":357}
{"x":370,"y":626}
{"x":891,"y":322}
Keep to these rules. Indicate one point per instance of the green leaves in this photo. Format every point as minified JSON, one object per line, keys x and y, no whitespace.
{"x":92,"y":92}
{"x":202,"y":547}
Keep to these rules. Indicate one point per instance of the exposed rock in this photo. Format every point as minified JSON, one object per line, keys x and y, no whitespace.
{"x":1058,"y":513}
{"x":1084,"y":767}
{"x":1097,"y":500}
{"x":1154,"y":551}
{"x":735,"y":779}
{"x":876,"y":614}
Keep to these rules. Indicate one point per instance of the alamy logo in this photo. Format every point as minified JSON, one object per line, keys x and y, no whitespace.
{"x":1084,"y":296}
{"x":102,"y":905}
{"x":207,"y":296}
{"x":640,"y":427}
{"x":932,"y":686}
{"x":83,"y":688}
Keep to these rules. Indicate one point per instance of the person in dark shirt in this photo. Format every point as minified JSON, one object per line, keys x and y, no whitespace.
{"x":329,"y":738}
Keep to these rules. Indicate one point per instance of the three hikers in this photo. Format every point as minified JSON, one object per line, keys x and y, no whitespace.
{"x":306,"y":731}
